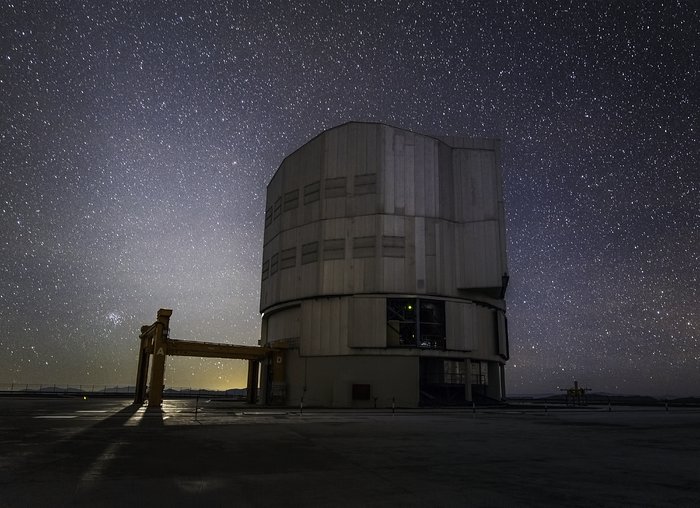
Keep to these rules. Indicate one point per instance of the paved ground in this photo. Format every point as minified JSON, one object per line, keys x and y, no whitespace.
{"x":96,"y":452}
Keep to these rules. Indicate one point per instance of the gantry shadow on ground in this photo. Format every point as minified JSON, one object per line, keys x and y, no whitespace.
{"x":75,"y":452}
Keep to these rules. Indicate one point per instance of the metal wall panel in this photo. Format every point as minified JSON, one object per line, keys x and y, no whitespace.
{"x":478,"y":248}
{"x":323,"y":312}
{"x":367,"y":324}
{"x":503,"y":336}
{"x":485,"y":330}
{"x":409,"y":174}
{"x":461,"y":326}
{"x":446,"y":198}
{"x":420,"y":257}
{"x":284,"y":324}
{"x":290,"y":214}
{"x":287,"y":275}
{"x":399,"y":180}
{"x":388,"y":180}
{"x":409,"y":275}
{"x":324,"y":326}
{"x":419,"y":172}
{"x":431,"y":181}
{"x":310,"y":329}
{"x":456,"y":334}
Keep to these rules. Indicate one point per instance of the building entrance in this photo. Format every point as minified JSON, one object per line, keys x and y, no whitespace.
{"x":442,"y":382}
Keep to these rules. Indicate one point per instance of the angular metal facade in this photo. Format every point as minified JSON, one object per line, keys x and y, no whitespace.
{"x":384,"y":270}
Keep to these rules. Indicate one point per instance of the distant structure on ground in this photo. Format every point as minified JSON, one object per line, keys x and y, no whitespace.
{"x":384,"y":271}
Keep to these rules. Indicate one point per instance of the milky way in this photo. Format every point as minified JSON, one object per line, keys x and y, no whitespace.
{"x":136,"y":142}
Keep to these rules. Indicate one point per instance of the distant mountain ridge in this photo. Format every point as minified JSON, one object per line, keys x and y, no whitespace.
{"x":605,"y":397}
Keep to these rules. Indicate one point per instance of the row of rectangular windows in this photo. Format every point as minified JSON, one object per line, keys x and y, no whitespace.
{"x":440,"y":372}
{"x":333,"y":187}
{"x":362,"y":247}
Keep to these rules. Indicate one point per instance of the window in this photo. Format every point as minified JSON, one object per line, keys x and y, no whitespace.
{"x":432,"y":324}
{"x":365,"y":184}
{"x":480,"y":373}
{"x":274,"y":262}
{"x":311,"y":193}
{"x":309,"y":253}
{"x":278,"y":208}
{"x":454,"y":372}
{"x":288,"y":258}
{"x":335,"y":187}
{"x":401,"y":322}
{"x":268,"y":217}
{"x":393,"y":246}
{"x":364,"y":247}
{"x":265,"y":270}
{"x":291,"y":200}
{"x":334,"y":249}
{"x":415,"y":322}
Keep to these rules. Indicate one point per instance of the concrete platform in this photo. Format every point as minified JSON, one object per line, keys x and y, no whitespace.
{"x":96,"y":452}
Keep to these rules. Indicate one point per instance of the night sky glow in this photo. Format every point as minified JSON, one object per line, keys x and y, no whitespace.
{"x":136,"y":141}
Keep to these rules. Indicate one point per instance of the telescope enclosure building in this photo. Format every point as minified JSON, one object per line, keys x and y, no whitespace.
{"x":384,"y":271}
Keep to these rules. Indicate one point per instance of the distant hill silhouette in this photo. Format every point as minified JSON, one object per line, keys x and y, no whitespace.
{"x":612,"y":398}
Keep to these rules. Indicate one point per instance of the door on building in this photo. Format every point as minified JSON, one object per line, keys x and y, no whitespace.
{"x":442,"y":382}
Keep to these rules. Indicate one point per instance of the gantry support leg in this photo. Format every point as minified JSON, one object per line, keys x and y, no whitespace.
{"x":142,"y":371}
{"x":264,"y":382}
{"x":155,"y":394}
{"x":252,"y":389}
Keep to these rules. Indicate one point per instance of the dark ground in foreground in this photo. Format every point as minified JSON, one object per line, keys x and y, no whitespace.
{"x":97,"y":452}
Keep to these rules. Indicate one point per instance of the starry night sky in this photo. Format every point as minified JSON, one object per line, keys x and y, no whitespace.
{"x":137,"y":139}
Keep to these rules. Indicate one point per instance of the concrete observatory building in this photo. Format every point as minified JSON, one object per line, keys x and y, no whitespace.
{"x":384,"y":271}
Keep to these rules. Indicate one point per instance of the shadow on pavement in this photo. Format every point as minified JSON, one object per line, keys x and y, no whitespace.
{"x":78,"y":454}
{"x":152,"y":417}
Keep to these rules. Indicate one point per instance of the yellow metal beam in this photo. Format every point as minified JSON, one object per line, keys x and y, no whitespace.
{"x":177,"y":347}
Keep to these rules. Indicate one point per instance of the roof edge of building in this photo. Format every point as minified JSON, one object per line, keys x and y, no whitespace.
{"x":450,"y":141}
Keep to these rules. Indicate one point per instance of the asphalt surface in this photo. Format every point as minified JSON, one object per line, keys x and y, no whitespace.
{"x":105,"y":452}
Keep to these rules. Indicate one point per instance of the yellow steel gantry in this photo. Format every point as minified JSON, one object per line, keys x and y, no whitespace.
{"x":155,"y":341}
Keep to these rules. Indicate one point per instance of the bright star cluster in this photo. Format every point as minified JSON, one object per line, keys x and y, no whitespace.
{"x":137,"y":138}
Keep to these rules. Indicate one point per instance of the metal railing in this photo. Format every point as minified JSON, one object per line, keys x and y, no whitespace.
{"x":64,"y":389}
{"x":37,"y":389}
